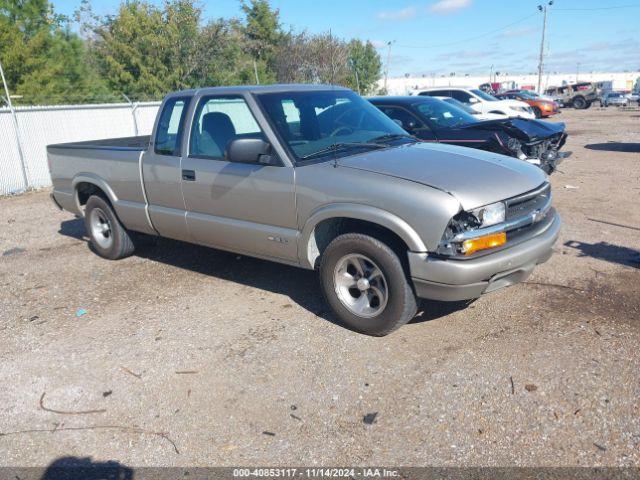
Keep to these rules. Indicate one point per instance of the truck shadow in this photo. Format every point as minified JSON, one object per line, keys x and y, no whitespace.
{"x":300,"y":285}
{"x":77,"y":468}
{"x":615,"y":147}
{"x":607,"y":251}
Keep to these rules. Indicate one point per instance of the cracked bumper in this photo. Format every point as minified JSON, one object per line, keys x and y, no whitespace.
{"x":453,"y":280}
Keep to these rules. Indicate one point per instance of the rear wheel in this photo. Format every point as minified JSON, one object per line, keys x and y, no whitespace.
{"x":365,"y":285}
{"x":109,"y":238}
{"x":579,"y":103}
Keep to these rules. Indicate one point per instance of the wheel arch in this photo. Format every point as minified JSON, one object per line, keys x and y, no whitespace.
{"x":86,"y":184}
{"x":332,"y":220}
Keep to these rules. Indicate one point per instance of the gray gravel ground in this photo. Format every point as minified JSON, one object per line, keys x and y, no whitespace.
{"x":187,"y":356}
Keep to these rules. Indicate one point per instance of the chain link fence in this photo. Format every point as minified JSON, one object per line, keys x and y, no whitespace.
{"x":23,"y":155}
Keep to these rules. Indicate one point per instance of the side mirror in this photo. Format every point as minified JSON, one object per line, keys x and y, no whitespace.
{"x":249,"y":150}
{"x":473,"y":100}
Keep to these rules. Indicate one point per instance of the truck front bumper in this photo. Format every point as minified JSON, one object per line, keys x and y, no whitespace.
{"x":452,"y":280}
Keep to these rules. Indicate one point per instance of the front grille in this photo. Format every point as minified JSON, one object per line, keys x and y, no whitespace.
{"x":528,"y":203}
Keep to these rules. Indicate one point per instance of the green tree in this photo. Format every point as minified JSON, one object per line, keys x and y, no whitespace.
{"x":324,"y":58}
{"x":262,"y":36}
{"x":43,"y":60}
{"x":365,"y":64}
{"x":134,"y":51}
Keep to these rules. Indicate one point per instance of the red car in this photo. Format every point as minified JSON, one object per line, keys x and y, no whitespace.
{"x":541,"y":107}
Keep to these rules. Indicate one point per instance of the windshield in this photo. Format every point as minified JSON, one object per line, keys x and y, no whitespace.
{"x":460,"y":105}
{"x":437,"y":113}
{"x":328,"y":124}
{"x":483,"y":95}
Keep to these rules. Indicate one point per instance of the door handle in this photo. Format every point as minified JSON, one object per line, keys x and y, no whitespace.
{"x":189,"y":175}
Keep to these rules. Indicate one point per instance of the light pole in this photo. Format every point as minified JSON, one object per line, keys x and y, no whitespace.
{"x":386,"y":70}
{"x":543,"y":9}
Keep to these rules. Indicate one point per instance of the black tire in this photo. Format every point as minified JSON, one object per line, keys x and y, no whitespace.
{"x":537,"y":112}
{"x":400,"y":306}
{"x":579,"y":103}
{"x":115,"y":244}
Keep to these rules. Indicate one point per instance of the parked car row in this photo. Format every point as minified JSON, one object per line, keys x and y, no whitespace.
{"x":482,"y":102}
{"x":583,"y":95}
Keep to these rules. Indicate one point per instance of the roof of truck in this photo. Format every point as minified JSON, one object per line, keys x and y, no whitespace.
{"x":296,"y":87}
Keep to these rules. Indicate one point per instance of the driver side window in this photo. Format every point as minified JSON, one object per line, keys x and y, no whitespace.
{"x":461,"y":96}
{"x":217,"y":122}
{"x":403,"y":118}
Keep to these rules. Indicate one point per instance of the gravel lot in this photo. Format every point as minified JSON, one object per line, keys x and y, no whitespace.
{"x":188,"y":356}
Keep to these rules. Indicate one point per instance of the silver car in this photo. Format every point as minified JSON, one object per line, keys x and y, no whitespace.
{"x":316,"y":177}
{"x":615,"y":99}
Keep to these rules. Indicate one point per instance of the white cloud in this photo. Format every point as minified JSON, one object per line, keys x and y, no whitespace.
{"x":398,"y":15}
{"x":448,"y":6}
{"x":378,"y":43}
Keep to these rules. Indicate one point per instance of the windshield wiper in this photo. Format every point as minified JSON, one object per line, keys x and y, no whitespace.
{"x":334,"y":147}
{"x":391,"y":136}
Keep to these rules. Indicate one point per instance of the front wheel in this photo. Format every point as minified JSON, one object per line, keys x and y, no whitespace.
{"x":365,"y":285}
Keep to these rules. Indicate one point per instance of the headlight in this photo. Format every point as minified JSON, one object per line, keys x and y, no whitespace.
{"x":490,"y":214}
{"x":514,"y":144}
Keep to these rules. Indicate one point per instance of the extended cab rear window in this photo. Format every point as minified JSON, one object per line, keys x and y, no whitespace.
{"x":169,"y":130}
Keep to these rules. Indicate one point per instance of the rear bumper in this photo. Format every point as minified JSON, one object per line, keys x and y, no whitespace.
{"x":55,"y":202}
{"x":452,"y":280}
{"x":65,"y":201}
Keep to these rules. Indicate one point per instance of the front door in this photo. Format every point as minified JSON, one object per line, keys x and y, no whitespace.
{"x":242,"y":207}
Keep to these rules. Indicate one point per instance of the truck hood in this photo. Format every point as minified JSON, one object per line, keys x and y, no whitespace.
{"x":521,"y":128}
{"x":474,"y":177}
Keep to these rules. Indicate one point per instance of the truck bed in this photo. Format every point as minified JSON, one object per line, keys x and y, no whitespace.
{"x":121,"y":143}
{"x":113,"y":165}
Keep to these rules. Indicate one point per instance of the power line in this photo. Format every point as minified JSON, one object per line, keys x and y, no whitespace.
{"x":471,"y":38}
{"x":615,"y":7}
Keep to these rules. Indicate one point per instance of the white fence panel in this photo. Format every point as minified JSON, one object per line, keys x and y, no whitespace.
{"x":41,"y":126}
{"x":146,"y":116}
{"x":11,"y":180}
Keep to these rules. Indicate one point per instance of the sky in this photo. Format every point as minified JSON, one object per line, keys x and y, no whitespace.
{"x":464,"y":36}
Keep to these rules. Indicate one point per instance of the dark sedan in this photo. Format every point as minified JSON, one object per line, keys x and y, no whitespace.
{"x":433,"y":120}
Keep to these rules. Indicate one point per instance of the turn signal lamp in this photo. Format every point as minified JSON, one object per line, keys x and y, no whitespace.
{"x":469,"y":247}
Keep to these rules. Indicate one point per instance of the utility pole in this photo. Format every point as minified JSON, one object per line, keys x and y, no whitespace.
{"x":354,"y":65}
{"x":25,"y":178}
{"x":543,"y":9}
{"x":255,"y":71}
{"x":386,"y":70}
{"x":577,"y":71}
